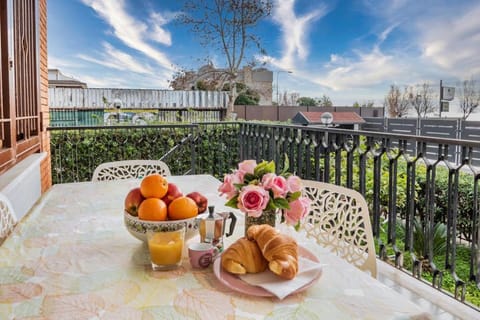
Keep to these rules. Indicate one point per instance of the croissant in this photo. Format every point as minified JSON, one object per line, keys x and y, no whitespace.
{"x":279,"y":249}
{"x":243,"y":256}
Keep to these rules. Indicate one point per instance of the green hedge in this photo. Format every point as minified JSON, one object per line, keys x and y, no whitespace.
{"x":76,"y":153}
{"x":465,"y":190}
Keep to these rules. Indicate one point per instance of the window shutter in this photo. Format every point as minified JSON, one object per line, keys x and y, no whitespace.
{"x":19,"y":105}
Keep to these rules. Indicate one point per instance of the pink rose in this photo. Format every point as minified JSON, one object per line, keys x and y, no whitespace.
{"x":294,"y":184}
{"x":247,"y":166}
{"x":298,"y":210}
{"x":253,"y":200}
{"x":267,"y":180}
{"x":228,"y":186}
{"x":239,"y":175}
{"x":277,"y":184}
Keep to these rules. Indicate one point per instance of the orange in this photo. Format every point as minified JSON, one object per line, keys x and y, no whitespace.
{"x":182,"y":208}
{"x":153,"y":209}
{"x":154,"y":186}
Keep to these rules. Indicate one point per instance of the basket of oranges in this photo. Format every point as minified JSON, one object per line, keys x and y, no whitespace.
{"x":160,"y":205}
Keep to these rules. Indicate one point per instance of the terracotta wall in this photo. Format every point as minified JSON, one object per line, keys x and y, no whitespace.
{"x":45,"y":168}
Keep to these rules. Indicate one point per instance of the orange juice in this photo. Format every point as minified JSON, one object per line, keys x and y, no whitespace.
{"x":166,"y":248}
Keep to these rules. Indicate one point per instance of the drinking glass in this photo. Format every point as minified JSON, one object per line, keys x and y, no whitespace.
{"x":166,"y":247}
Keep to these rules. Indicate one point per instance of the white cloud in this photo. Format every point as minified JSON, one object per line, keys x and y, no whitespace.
{"x":158,"y":33}
{"x":446,"y":35}
{"x":61,"y":63}
{"x":295,"y":30}
{"x":349,"y":70}
{"x":94,"y":81}
{"x":115,"y":80}
{"x":117,"y":59}
{"x":364,"y":70}
{"x":131,"y":32}
{"x":385,"y":33}
{"x":428,"y":42}
{"x":453,"y":41}
{"x":335,"y":60}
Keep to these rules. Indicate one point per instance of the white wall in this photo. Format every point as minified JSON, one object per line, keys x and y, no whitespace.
{"x":22,"y":184}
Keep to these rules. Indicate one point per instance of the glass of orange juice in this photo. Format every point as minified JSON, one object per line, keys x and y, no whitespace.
{"x":166,"y":247}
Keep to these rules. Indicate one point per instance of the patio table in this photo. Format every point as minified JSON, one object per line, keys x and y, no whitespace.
{"x":71,"y":257}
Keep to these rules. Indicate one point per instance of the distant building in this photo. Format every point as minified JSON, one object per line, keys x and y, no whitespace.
{"x":343,"y":120}
{"x":259,"y":79}
{"x":56,"y":79}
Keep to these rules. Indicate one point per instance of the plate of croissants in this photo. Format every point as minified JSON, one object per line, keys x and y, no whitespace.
{"x":263,"y":250}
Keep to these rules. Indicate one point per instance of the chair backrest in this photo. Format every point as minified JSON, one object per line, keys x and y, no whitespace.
{"x":8,"y":219}
{"x":339,"y":220}
{"x":129,"y":169}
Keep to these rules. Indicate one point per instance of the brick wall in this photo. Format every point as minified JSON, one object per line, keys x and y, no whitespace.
{"x":45,"y":168}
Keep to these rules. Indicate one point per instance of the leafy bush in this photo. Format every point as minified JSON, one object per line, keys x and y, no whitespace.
{"x":465,"y":199}
{"x":439,"y":238}
{"x":76,"y":153}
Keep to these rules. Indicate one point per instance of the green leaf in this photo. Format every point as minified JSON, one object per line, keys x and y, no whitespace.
{"x":264,"y":167}
{"x":270,"y":167}
{"x":239,"y":186}
{"x":294,"y":196}
{"x":281,"y":203}
{"x":259,"y":169}
{"x":232,"y":203}
{"x":248,"y":178}
{"x":270,"y":205}
{"x":286,"y":165}
{"x":297,"y":226}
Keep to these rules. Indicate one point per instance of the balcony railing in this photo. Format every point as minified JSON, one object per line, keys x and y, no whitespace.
{"x":424,"y":208}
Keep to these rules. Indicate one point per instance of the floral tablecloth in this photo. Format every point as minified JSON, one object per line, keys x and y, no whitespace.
{"x":72,"y":258}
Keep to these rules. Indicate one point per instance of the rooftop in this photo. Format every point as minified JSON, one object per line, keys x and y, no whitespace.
{"x":339,"y":118}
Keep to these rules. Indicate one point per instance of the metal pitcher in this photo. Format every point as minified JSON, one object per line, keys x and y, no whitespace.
{"x":212,"y":226}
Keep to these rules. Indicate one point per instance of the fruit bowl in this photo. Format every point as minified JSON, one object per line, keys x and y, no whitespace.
{"x":138,"y":228}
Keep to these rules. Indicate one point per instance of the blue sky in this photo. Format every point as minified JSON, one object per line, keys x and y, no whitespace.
{"x":348,"y":50}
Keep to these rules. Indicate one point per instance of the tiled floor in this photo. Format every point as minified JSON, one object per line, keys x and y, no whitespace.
{"x":444,"y":308}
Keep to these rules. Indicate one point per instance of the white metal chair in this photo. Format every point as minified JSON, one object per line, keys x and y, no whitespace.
{"x":7,"y":218}
{"x":339,"y":220}
{"x":129,"y":169}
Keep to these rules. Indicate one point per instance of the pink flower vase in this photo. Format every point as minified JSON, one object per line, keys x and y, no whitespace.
{"x":268,"y":217}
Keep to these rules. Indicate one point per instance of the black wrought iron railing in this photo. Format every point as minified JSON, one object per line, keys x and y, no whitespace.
{"x":424,"y":208}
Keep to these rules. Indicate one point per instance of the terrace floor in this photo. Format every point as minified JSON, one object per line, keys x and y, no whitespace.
{"x":439,"y":304}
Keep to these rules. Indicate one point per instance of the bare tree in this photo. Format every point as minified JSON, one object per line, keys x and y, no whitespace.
{"x":227,"y":25}
{"x":396,"y":102}
{"x":325,"y":101}
{"x":364,"y":104}
{"x":469,"y":96}
{"x":421,"y":99}
{"x":182,"y":80}
{"x":284,"y":101}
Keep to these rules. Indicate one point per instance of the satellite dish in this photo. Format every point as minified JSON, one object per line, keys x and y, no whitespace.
{"x":117,"y":103}
{"x":326,"y":118}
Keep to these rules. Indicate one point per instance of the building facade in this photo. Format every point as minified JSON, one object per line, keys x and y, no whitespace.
{"x":56,"y":79}
{"x":210,"y":78}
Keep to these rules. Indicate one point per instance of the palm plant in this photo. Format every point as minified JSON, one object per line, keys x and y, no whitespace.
{"x":420,"y":237}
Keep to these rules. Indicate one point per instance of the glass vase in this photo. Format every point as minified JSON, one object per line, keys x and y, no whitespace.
{"x":268,"y":217}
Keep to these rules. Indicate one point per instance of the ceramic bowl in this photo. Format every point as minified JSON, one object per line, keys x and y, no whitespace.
{"x":138,"y":228}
